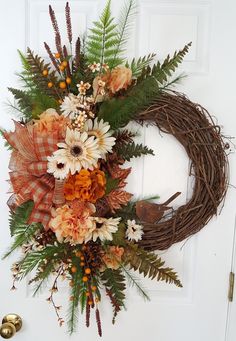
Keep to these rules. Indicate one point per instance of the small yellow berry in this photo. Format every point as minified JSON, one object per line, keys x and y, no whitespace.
{"x":84,"y":247}
{"x":82,"y":263}
{"x":87,"y":271}
{"x":87,"y":294}
{"x":50,"y":84}
{"x":85,"y":279}
{"x":90,"y":302}
{"x":61,"y":67}
{"x":73,"y":269}
{"x":93,"y":287}
{"x":82,"y":257}
{"x":78,"y":253}
{"x":68,"y":80}
{"x":62,"y":85}
{"x":45,"y":72}
{"x":57,"y":55}
{"x":64,"y":63}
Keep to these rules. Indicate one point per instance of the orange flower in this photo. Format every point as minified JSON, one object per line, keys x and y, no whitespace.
{"x":86,"y":185}
{"x":112,"y":257}
{"x":50,"y":121}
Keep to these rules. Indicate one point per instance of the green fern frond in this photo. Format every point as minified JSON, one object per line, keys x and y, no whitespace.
{"x":114,"y":282}
{"x":149,"y":86}
{"x":162,"y":71}
{"x":23,"y":100}
{"x":103,"y":39}
{"x":135,"y":282}
{"x":130,"y":150}
{"x":73,"y":311}
{"x":125,"y":23}
{"x":137,"y":65}
{"x":149,"y":264}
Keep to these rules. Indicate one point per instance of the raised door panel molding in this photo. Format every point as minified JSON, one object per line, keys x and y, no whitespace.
{"x":39,"y":28}
{"x":167,"y":26}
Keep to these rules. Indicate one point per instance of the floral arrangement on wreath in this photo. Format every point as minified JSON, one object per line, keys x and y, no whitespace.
{"x":69,"y":210}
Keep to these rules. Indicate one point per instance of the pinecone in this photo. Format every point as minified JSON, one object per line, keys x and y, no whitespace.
{"x":93,"y":254}
{"x":45,"y":237}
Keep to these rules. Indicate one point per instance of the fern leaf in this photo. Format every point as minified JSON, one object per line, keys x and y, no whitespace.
{"x":103,"y":38}
{"x":163,"y":71}
{"x":124,"y":26}
{"x":73,"y":310}
{"x":130,"y":150}
{"x":150,"y":265}
{"x":23,"y":99}
{"x":114,"y":282}
{"x":137,"y":65}
{"x":135,"y":282}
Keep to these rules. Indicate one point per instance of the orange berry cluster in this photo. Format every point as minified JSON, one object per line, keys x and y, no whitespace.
{"x":62,"y":84}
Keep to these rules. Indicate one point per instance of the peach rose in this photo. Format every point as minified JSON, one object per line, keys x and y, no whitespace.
{"x":50,"y":121}
{"x":120,"y":78}
{"x":112,"y":257}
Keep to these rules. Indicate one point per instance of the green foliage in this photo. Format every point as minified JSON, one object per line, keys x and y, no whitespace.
{"x":24,"y":101}
{"x":125,"y":23}
{"x":130,"y":150}
{"x":137,"y":65}
{"x":35,"y":259}
{"x":20,"y":229}
{"x":73,"y":311}
{"x":119,"y":236}
{"x":42,"y":277}
{"x":103,"y":39}
{"x":149,"y":264}
{"x":119,"y":111}
{"x":36,"y":96}
{"x":135,"y":282}
{"x":114,"y":282}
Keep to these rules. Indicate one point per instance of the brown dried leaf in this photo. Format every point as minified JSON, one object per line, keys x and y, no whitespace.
{"x":118,"y":198}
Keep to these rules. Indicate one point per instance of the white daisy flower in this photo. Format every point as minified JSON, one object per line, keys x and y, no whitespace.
{"x":79,"y":150}
{"x":70,"y":105}
{"x":100,"y":130}
{"x":105,"y":228}
{"x":58,"y":167}
{"x":134,"y":231}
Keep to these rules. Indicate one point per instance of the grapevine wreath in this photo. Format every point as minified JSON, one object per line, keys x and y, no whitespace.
{"x":70,"y":214}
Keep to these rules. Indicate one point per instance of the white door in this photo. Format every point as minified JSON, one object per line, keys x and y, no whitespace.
{"x":199,"y":311}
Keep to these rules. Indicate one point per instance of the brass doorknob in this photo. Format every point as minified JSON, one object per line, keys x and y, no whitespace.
{"x":11,"y":323}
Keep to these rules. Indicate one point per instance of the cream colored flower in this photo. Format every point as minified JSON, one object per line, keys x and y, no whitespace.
{"x":134,"y":231}
{"x":58,"y":167}
{"x":100,"y":130}
{"x":70,"y":105}
{"x":83,"y":87}
{"x":95,"y":67}
{"x":105,"y":228}
{"x":79,"y":150}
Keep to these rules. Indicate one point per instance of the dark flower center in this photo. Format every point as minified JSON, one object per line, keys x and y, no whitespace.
{"x":60,"y":165}
{"x":99,"y":225}
{"x":76,"y":151}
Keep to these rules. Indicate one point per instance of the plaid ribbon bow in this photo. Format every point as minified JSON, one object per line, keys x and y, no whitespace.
{"x":28,"y":176}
